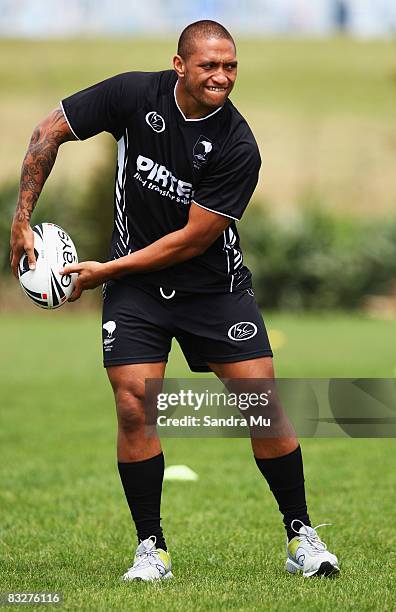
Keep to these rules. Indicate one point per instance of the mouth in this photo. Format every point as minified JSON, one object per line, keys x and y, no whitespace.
{"x":217,"y":89}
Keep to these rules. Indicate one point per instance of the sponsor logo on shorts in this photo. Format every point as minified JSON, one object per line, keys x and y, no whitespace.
{"x":244,"y":330}
{"x":155,"y":121}
{"x":110,"y":327}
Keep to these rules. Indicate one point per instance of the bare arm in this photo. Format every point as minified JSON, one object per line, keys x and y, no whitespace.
{"x":37,"y":165}
{"x":202,"y":229}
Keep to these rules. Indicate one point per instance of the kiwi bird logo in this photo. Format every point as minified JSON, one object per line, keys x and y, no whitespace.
{"x":201,"y":151}
{"x":110,"y":327}
{"x":207,"y":147}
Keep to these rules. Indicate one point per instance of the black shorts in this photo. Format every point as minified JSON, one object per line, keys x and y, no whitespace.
{"x":139,"y":322}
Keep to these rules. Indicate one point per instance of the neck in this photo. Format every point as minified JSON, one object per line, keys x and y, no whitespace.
{"x":189,"y":107}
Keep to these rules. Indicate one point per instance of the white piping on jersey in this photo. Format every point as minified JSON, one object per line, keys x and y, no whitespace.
{"x":226,"y":252}
{"x":117,"y":249}
{"x":234,"y":256}
{"x":121,"y":220}
{"x":120,"y":237}
{"x":201,"y":118}
{"x":67,"y":121}
{"x":225,"y":248}
{"x":215,"y":211}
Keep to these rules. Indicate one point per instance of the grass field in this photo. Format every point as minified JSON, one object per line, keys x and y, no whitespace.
{"x":65,"y":525}
{"x":323,"y":111}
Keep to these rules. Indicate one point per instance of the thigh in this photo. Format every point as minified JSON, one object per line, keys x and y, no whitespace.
{"x":222,"y":328}
{"x":136,"y":326}
{"x":250,"y":368}
{"x":132,"y":377}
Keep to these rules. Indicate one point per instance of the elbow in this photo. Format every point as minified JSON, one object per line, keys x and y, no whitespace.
{"x":197,"y":247}
{"x":196,"y":243}
{"x":39,"y":133}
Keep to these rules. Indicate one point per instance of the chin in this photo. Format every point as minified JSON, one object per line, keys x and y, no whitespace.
{"x":212,"y":102}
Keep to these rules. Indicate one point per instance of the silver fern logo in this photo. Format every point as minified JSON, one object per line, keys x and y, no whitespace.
{"x":244,"y":330}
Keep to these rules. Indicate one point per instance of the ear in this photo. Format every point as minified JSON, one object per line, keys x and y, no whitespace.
{"x":179,"y":66}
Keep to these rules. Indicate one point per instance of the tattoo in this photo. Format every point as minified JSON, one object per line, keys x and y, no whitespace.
{"x":39,"y":160}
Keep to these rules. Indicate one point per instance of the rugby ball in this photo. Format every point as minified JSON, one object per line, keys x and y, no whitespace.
{"x":53,"y":249}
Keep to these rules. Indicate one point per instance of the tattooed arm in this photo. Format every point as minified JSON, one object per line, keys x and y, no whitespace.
{"x":37,"y":165}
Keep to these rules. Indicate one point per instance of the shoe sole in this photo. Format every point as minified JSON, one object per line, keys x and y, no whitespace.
{"x":326,"y":569}
{"x":137,"y":579}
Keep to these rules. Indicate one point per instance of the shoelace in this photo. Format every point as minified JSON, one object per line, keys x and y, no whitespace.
{"x":147,"y":557}
{"x":313,"y":540}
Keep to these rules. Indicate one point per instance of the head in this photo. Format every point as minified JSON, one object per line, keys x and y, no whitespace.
{"x":206,"y":63}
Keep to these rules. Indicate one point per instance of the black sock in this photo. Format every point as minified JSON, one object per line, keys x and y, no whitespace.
{"x":142,"y":482}
{"x":285,"y":477}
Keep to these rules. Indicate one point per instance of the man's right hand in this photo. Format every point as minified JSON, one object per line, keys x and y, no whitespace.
{"x":22,"y":241}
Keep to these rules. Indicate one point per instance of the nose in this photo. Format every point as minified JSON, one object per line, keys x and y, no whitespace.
{"x":220,"y":78}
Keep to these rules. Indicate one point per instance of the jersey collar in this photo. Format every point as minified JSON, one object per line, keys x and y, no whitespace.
{"x":201,"y":118}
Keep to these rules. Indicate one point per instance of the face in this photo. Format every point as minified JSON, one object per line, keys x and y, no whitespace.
{"x":208,"y":74}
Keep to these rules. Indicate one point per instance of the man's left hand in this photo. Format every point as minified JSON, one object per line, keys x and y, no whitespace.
{"x":91,"y":274}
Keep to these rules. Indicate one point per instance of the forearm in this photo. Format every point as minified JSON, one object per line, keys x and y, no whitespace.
{"x":172,"y":249}
{"x":37,"y":165}
{"x":202,"y":229}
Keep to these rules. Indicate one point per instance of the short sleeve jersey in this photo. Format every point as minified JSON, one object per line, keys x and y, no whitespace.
{"x":166,"y":162}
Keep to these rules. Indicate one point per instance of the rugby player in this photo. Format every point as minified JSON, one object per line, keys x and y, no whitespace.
{"x":187,"y":167}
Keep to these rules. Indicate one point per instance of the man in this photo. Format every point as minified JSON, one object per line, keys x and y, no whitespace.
{"x":187,"y":167}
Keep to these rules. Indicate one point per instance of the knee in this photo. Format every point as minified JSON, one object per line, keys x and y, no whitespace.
{"x":130,"y":410}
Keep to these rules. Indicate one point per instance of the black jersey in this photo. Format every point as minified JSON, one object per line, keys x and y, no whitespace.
{"x":165,"y":162}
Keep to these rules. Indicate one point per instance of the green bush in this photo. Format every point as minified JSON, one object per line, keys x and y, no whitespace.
{"x":8,"y":198}
{"x":318,"y":260}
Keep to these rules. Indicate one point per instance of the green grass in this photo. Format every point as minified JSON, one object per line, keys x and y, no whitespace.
{"x":65,"y":525}
{"x":300,"y":75}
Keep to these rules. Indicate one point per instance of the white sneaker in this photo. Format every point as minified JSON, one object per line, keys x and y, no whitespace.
{"x":150,"y":563}
{"x":307,"y":553}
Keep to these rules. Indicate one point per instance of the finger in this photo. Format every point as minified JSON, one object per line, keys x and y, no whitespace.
{"x":16,"y":253}
{"x":31,"y":257}
{"x":14,"y":266}
{"x":76,"y":294}
{"x":70,"y":269}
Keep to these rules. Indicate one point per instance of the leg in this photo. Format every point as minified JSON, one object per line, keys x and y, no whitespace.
{"x":140,"y":460}
{"x":262,"y":368}
{"x":128,"y":382}
{"x":136,"y":323}
{"x":215,"y":329}
{"x":279,"y":458}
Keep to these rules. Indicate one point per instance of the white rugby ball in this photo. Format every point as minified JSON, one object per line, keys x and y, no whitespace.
{"x":53,"y":249}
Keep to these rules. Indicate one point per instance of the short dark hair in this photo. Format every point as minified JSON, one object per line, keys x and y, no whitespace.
{"x":200,"y":29}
